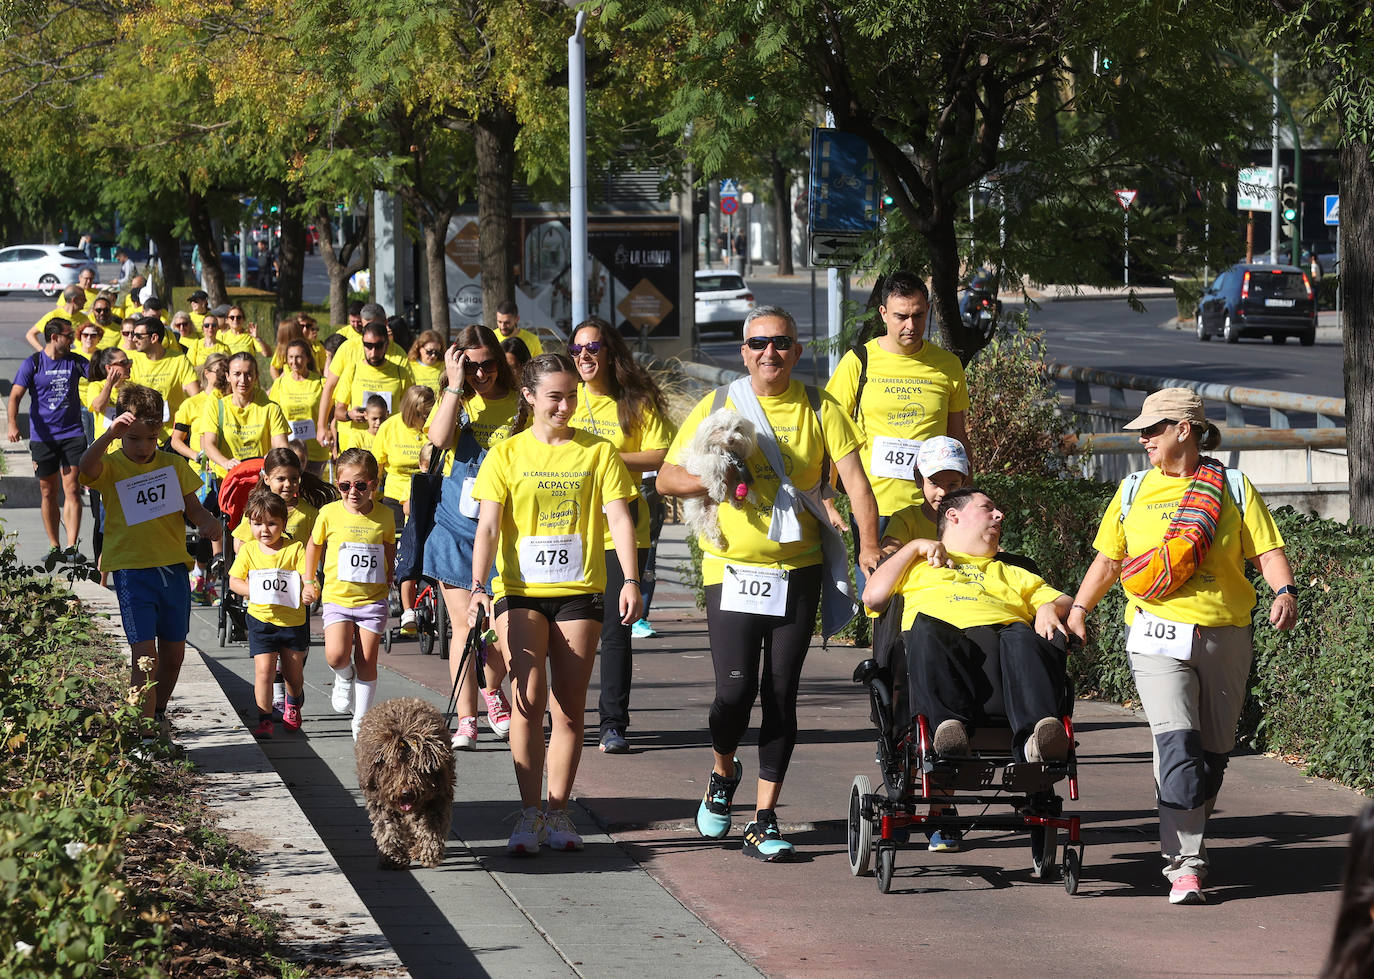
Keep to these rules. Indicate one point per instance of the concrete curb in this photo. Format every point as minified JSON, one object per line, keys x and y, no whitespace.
{"x":324,"y":916}
{"x":1325,"y":334}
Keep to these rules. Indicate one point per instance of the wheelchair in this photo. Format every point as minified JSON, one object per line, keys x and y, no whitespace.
{"x":915,"y":778}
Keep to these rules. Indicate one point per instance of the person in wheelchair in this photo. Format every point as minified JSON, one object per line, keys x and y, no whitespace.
{"x":963,"y":605}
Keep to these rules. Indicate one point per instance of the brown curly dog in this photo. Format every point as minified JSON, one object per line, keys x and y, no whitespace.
{"x":405,"y":769}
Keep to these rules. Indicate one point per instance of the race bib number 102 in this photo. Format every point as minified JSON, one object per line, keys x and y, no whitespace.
{"x":753,"y":589}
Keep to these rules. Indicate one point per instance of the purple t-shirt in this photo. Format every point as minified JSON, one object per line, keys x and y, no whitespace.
{"x":55,"y":393}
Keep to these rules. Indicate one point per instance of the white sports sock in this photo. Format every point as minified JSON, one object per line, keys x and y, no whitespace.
{"x":362,"y":697}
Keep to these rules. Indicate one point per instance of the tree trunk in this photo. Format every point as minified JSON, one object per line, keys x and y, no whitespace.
{"x":340,"y":264}
{"x":169,"y":250}
{"x":1357,"y":282}
{"x":782,"y":202}
{"x":435,"y":233}
{"x":290,"y":258}
{"x":211,"y":272}
{"x":495,"y":144}
{"x":944,"y":287}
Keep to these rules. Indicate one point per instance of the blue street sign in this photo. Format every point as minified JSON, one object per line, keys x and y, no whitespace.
{"x":1331,"y":208}
{"x":843,"y":197}
{"x":729,"y":187}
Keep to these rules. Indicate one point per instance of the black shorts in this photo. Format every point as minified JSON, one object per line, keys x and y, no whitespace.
{"x":557,"y":608}
{"x":263,"y":637}
{"x":49,"y":457}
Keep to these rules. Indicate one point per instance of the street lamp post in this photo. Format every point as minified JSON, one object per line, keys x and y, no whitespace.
{"x":577,"y":166}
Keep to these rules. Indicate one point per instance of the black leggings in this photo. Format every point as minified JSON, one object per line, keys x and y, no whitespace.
{"x":738,"y":641}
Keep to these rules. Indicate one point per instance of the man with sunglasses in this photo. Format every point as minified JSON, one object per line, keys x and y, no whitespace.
{"x":900,"y":389}
{"x":764,"y":585}
{"x":171,"y":375}
{"x":508,"y":327}
{"x":70,"y":312}
{"x":102,"y":317}
{"x":57,"y":439}
{"x":352,"y":350}
{"x":371,"y":374}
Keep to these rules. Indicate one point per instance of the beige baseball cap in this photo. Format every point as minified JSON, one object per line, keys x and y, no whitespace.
{"x":1169,"y":404}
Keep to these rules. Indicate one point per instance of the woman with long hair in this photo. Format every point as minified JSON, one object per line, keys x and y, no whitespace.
{"x":243,"y":424}
{"x":242,"y":336}
{"x":298,"y":392}
{"x":427,"y":360}
{"x":619,"y":402}
{"x":288,"y":332}
{"x":397,"y":446}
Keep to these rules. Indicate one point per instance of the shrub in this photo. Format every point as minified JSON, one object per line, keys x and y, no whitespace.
{"x":1187,"y":292}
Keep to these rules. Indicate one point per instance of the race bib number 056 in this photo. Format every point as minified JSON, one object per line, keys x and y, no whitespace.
{"x":149,"y":496}
{"x":362,"y":564}
{"x":273,"y":586}
{"x":551,"y":560}
{"x":1153,"y":636}
{"x":752,"y":589}
{"x":894,"y":458}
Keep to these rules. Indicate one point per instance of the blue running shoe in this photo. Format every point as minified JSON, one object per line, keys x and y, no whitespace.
{"x":713,"y":815}
{"x":642,"y":630}
{"x":763,"y":841}
{"x":945,"y":841}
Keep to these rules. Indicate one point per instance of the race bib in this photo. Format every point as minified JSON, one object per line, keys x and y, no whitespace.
{"x":551,"y":560}
{"x":362,"y":564}
{"x":384,"y":395}
{"x":467,"y":506}
{"x":756,"y":590}
{"x":272,"y":586}
{"x":149,"y":496}
{"x":166,"y":411}
{"x":303,"y":429}
{"x":894,"y":458}
{"x":1153,"y":636}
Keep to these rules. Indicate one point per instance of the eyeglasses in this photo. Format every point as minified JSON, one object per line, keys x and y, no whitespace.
{"x":100,"y":309}
{"x":360,"y":485}
{"x":140,"y":336}
{"x":592,"y":348}
{"x":373,"y":346}
{"x":482,"y":366}
{"x":780,"y":343}
{"x":1156,"y":429}
{"x":69,"y":335}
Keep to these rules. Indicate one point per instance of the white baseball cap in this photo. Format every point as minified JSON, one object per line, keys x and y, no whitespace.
{"x":941,"y":454}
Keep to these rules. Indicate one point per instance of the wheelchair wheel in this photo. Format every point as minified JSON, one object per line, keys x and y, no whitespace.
{"x":1073,"y":866}
{"x":223,"y":627}
{"x":1044,"y":842}
{"x":443,"y":627}
{"x":887,"y":863}
{"x":860,"y":829}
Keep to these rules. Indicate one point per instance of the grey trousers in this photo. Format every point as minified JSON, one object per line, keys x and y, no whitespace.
{"x":1193,"y":706}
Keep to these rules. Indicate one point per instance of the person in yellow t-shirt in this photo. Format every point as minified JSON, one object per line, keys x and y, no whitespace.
{"x":351,"y":350}
{"x":208,"y":343}
{"x":244,"y":425}
{"x":281,"y":474}
{"x":774,"y":587}
{"x":356,"y":538}
{"x":397,"y":446}
{"x":546,"y":496}
{"x":1190,"y":634}
{"x":268,"y":572}
{"x":187,"y":430}
{"x":108,"y":375}
{"x":86,"y":280}
{"x":905,"y":390}
{"x":427,"y":360}
{"x":366,"y":377}
{"x":199,"y":301}
{"x":508,"y":327}
{"x":942,"y":466}
{"x":102,"y":317}
{"x":172,"y":376}
{"x":146,"y":493}
{"x":310,"y":333}
{"x":70,"y":306}
{"x":298,"y":392}
{"x":619,"y":402}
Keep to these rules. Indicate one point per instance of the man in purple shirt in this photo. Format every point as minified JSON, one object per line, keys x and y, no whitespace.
{"x":56,"y":437}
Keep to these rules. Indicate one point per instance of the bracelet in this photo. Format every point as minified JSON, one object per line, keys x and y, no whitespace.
{"x":635,"y":582}
{"x":457,"y":391}
{"x":477,"y":586}
{"x":1078,"y":605}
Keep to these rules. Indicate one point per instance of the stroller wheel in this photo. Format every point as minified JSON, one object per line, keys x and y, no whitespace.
{"x":1044,"y":842}
{"x":1073,"y":866}
{"x":887,"y":863}
{"x":860,"y":829}
{"x":386,"y":639}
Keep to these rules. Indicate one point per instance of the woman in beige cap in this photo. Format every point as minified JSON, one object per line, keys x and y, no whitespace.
{"x":1178,"y":535}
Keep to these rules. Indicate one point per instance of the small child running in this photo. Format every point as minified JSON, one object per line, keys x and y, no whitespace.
{"x":267,"y":572}
{"x":357,"y":538}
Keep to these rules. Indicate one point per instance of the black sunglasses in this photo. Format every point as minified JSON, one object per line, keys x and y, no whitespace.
{"x":761,"y":343}
{"x":482,"y":366}
{"x":592,"y":348}
{"x":360,"y":485}
{"x":89,"y":335}
{"x":430,"y":351}
{"x":374,"y":346}
{"x":1156,"y":429}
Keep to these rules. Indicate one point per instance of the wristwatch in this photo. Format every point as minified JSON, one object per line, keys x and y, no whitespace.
{"x":1287,"y":590}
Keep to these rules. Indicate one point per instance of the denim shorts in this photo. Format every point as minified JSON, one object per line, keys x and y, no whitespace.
{"x":154,"y":603}
{"x":371,"y":617}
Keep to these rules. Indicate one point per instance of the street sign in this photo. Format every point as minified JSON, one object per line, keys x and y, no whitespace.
{"x":1126,"y":198}
{"x":1255,"y":189}
{"x":729,"y":187}
{"x":1331,"y":208}
{"x":729,"y":205}
{"x":840,"y":251}
{"x":843,"y":193}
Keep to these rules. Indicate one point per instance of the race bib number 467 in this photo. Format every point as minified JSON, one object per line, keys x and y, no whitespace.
{"x":149,"y":496}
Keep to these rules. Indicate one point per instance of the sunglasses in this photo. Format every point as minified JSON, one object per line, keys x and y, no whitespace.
{"x":430,"y":351}
{"x":1157,"y":428}
{"x":592,"y":348}
{"x":482,"y":366}
{"x":781,"y":343}
{"x":373,"y":346}
{"x":233,"y":316}
{"x":100,"y":309}
{"x":126,"y":333}
{"x":360,"y":485}
{"x":89,"y":335}
{"x":140,"y":336}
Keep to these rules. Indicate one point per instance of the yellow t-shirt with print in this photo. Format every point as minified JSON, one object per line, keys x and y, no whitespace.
{"x":909,"y":524}
{"x":168,"y":376}
{"x":289,"y":558}
{"x":300,"y":521}
{"x":358,"y":382}
{"x":1218,"y":593}
{"x":552,"y":499}
{"x":246,"y":432}
{"x":150,"y":541}
{"x":905,"y":397}
{"x":397,"y":448}
{"x":803,"y":446}
{"x":238,"y":343}
{"x":361,"y":540}
{"x":428,"y":375}
{"x":300,"y":403}
{"x":352,"y":352}
{"x":188,"y":416}
{"x":530,"y":340}
{"x":197,"y":351}
{"x":598,"y":415}
{"x":490,"y":422}
{"x":976,"y":591}
{"x":100,"y":419}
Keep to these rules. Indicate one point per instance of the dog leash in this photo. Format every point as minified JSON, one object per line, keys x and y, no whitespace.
{"x":472,"y":648}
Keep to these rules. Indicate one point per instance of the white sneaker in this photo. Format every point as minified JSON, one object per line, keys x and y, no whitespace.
{"x":529,"y":833}
{"x":408,"y":626}
{"x":341,"y":698}
{"x":562,"y":835}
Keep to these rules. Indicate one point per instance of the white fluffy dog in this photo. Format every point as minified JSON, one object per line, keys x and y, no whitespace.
{"x":716,"y":455}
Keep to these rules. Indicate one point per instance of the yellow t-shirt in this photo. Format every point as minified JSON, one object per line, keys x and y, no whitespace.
{"x":803,"y":445}
{"x":289,"y":558}
{"x":151,"y":532}
{"x":188,"y":415}
{"x":597,"y":414}
{"x":197,"y":351}
{"x":238,"y":343}
{"x":531,"y":341}
{"x":397,"y":448}
{"x":100,"y":419}
{"x":361,"y":440}
{"x":352,"y":351}
{"x":358,"y":382}
{"x":300,"y":403}
{"x":77,"y":320}
{"x":1218,"y":592}
{"x":300,"y":520}
{"x":91,"y":296}
{"x":909,"y":524}
{"x":361,"y":539}
{"x":196,"y":319}
{"x":110,"y":336}
{"x":316,"y":350}
{"x":976,"y":591}
{"x":552,"y":499}
{"x":904,"y":397}
{"x":243,"y":433}
{"x":429,"y":375}
{"x":168,"y":376}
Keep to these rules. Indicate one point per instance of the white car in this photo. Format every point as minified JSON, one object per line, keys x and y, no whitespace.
{"x":723,"y":299}
{"x":45,"y":268}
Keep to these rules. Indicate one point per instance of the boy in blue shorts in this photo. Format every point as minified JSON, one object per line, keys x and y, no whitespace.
{"x":146,"y":491}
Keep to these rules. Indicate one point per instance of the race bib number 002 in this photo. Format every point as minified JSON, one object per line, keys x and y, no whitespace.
{"x":551,"y":560}
{"x":752,"y":589}
{"x":362,"y":564}
{"x":272,"y":586}
{"x":894,"y":458}
{"x":149,"y":496}
{"x":1153,"y":636}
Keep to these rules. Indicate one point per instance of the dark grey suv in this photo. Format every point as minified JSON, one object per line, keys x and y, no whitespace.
{"x":1259,"y":300}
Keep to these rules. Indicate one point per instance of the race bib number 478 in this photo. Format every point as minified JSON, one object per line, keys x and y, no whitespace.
{"x":551,"y":560}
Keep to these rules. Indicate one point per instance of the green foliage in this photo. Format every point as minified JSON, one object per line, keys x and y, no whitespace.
{"x":1187,"y":292}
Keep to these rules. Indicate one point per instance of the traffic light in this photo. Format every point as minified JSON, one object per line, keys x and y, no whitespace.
{"x":1288,"y":205}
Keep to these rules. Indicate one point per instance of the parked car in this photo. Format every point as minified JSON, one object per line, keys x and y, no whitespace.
{"x":1252,"y":299}
{"x":723,"y":299}
{"x":46,"y":268}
